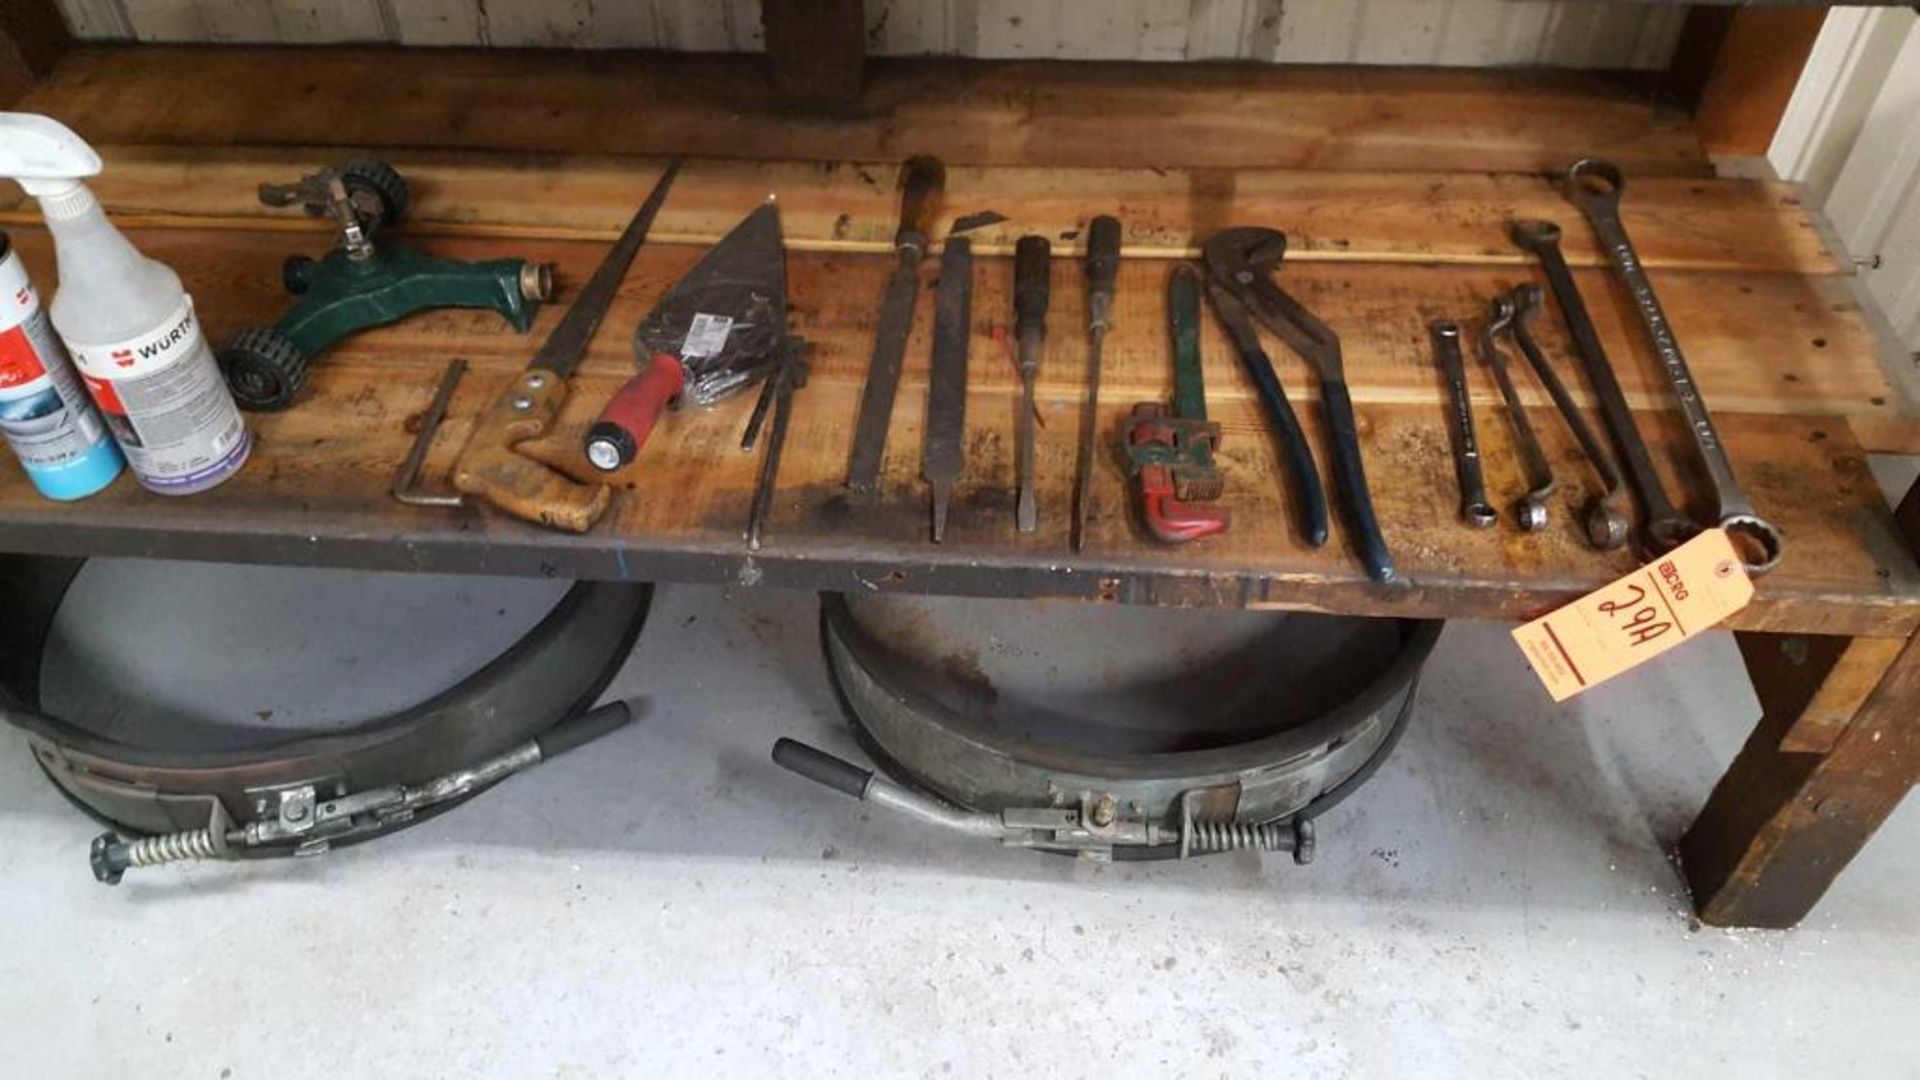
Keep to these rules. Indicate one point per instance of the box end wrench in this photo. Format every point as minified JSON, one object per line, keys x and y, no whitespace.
{"x":1595,"y":186}
{"x":1531,"y":509}
{"x":1475,"y":510}
{"x":1664,"y":527}
{"x":1605,"y":517}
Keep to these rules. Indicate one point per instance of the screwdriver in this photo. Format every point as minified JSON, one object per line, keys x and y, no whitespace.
{"x":1103,"y":265}
{"x":1032,"y":264}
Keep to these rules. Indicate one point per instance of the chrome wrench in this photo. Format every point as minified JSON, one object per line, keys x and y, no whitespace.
{"x":1665,"y":527}
{"x":1475,"y":510}
{"x":1531,"y":510}
{"x":1596,"y":186}
{"x":1606,"y":519}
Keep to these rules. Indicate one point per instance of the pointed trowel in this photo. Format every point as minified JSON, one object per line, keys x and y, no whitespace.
{"x":718,"y":329}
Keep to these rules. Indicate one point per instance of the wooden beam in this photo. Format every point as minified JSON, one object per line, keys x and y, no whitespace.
{"x":969,"y":112}
{"x":1808,"y":789}
{"x":32,"y":37}
{"x":1815,"y":683}
{"x":1755,"y":64}
{"x":817,"y":50}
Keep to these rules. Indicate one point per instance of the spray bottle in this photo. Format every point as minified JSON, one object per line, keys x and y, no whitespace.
{"x":127,"y":322}
{"x":45,"y":414}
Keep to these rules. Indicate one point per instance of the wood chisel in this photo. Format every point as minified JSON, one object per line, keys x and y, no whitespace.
{"x":921,"y":182}
{"x":943,"y":452}
{"x":1032,"y":266}
{"x":1103,"y":266}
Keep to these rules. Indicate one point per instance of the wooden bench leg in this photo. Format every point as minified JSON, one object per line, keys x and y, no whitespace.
{"x":1837,"y":747}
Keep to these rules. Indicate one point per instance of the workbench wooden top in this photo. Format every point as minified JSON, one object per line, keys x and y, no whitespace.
{"x":1778,"y":345}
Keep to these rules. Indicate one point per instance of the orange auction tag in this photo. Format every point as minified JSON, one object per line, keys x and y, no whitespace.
{"x":1616,"y":628}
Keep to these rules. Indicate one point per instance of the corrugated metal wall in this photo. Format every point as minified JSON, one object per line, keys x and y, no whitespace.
{"x":1474,"y":33}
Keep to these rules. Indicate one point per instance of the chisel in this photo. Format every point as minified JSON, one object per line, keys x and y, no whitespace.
{"x":1032,"y":264}
{"x":942,"y":452}
{"x":1103,"y":266}
{"x":921,"y":181}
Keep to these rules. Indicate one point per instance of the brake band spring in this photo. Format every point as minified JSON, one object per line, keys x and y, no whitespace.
{"x":1210,"y":837}
{"x":192,"y":844}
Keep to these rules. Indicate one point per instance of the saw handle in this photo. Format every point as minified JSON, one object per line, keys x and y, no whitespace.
{"x":616,"y":438}
{"x":492,"y":468}
{"x":922,"y":182}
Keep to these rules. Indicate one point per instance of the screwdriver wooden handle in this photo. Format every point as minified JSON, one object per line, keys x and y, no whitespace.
{"x":1103,"y":253}
{"x":1032,"y":268}
{"x":922,"y":183}
{"x":629,"y":417}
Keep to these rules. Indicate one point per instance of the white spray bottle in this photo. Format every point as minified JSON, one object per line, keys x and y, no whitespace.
{"x":128,"y":323}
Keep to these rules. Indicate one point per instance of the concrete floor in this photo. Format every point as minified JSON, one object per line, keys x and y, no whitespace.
{"x":1498,"y":902}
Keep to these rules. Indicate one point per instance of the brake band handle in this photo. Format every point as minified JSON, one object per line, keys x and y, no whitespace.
{"x":617,"y":437}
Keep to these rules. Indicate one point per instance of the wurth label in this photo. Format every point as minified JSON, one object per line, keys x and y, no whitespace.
{"x":167,"y":405}
{"x":19,"y":363}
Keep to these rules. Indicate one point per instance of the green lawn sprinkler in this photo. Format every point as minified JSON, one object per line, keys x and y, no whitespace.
{"x":358,"y":285}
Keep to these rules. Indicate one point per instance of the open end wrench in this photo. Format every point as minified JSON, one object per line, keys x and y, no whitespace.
{"x":1664,"y":527}
{"x":1475,"y":510}
{"x":1531,"y":509}
{"x":1596,"y":186}
{"x":1606,"y":517}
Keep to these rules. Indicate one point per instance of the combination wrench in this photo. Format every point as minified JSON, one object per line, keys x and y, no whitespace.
{"x":1664,"y":527}
{"x":1475,"y":510}
{"x":1606,"y":518}
{"x":1531,"y":510}
{"x":1596,"y":186}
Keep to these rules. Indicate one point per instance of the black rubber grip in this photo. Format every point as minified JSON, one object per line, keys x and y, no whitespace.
{"x":1350,"y":480}
{"x":1103,"y":252}
{"x":822,"y":767}
{"x":583,"y":729}
{"x":1032,"y":281}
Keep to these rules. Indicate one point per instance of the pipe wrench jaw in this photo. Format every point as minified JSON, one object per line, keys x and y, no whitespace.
{"x":1172,"y":461}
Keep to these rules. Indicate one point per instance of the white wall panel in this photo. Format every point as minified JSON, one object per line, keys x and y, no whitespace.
{"x":440,"y":22}
{"x":1471,"y":33}
{"x":97,"y":20}
{"x":1852,"y":135}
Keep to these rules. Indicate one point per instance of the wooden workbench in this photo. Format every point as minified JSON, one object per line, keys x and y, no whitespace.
{"x":1392,"y":187}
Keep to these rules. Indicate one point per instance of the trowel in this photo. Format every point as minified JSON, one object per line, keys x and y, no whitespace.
{"x":719,"y":329}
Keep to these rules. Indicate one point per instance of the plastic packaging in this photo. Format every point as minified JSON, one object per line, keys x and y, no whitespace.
{"x":127,"y":322}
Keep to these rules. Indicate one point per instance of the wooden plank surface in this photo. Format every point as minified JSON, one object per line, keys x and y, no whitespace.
{"x":1825,"y":367}
{"x":1329,"y":216}
{"x":316,"y":491}
{"x":968,"y":112}
{"x":1421,"y":170}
